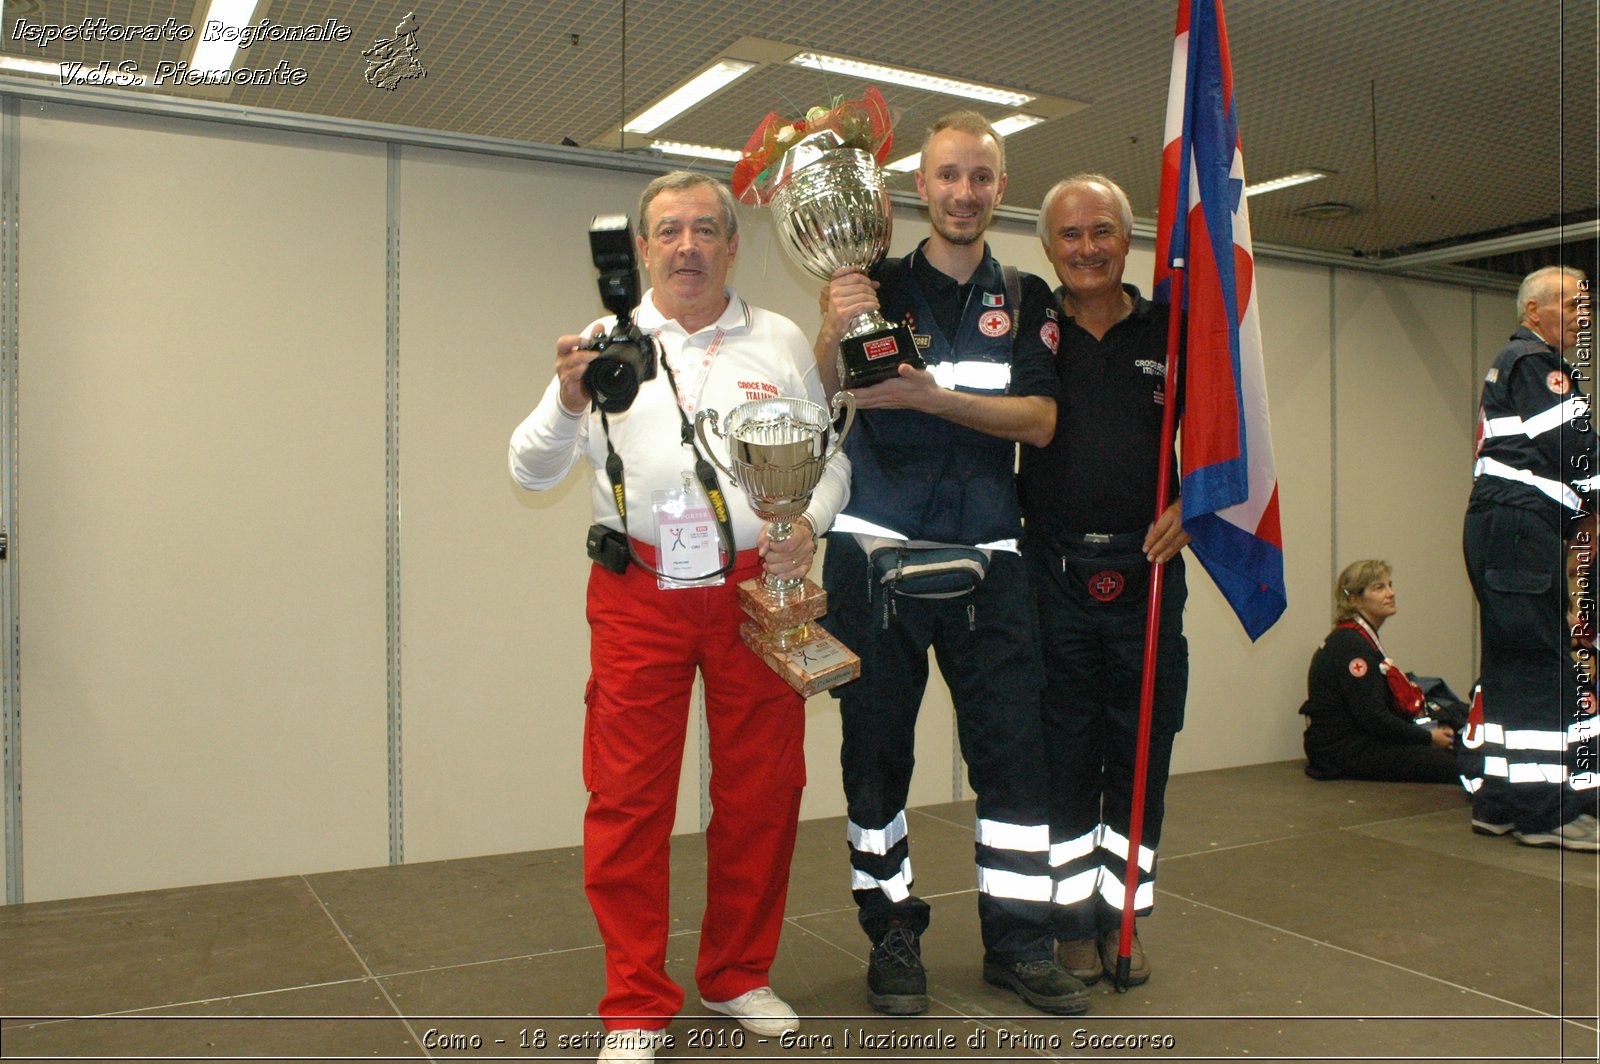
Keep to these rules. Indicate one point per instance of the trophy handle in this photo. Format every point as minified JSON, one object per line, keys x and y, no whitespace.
{"x":702,"y":419}
{"x":848,"y":401}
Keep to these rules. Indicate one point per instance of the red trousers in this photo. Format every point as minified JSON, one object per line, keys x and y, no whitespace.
{"x":645,"y":645}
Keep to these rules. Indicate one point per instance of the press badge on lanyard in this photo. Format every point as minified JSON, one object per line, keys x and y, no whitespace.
{"x":687,"y":546}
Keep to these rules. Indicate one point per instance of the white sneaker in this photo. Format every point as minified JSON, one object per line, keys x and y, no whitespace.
{"x":630,"y":1043}
{"x":759,"y":1012}
{"x":1580,"y":833}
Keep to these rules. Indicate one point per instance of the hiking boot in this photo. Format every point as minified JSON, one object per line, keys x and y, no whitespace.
{"x":1138,"y":964}
{"x":897,"y":983}
{"x":1041,"y":984}
{"x":1580,"y":833}
{"x":1080,"y":958}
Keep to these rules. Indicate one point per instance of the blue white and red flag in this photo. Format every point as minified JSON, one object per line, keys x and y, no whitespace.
{"x":1229,"y":485}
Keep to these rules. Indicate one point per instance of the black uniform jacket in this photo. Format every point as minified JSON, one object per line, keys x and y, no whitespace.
{"x":1348,"y":696}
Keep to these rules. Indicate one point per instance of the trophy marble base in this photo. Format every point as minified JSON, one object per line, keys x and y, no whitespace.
{"x":872,"y":357}
{"x":805,"y":603}
{"x":818,"y":663}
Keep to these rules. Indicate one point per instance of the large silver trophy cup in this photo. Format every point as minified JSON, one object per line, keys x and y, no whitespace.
{"x":778,"y":449}
{"x":833,"y":211}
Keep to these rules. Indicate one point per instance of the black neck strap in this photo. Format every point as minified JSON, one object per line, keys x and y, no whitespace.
{"x":703,"y":471}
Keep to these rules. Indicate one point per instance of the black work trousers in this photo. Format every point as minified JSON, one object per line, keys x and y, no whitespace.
{"x":1091,"y":594}
{"x":985,"y":645}
{"x":1536,"y":735}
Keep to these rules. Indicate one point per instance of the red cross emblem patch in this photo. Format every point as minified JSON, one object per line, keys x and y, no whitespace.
{"x":1358,"y":667}
{"x":1105,"y":585}
{"x":1557,"y":382}
{"x":995,"y":323}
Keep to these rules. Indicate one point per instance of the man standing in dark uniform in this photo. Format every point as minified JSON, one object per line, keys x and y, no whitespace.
{"x":1535,"y":469}
{"x":1087,"y":498}
{"x":932,"y":456}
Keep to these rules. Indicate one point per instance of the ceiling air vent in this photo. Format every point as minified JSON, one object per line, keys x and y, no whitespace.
{"x":1322,"y":212}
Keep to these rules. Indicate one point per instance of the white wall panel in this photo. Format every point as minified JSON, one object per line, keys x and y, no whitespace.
{"x":1244,"y":697}
{"x":201,"y":515}
{"x":1403,"y":369}
{"x":494,"y":266}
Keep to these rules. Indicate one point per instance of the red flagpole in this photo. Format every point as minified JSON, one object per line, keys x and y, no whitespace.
{"x":1152,"y":630}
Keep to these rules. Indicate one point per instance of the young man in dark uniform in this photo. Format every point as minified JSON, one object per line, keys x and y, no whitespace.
{"x":1535,"y":470}
{"x":932,"y":458}
{"x":1088,"y":497}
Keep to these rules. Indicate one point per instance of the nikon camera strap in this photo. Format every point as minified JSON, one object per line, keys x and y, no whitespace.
{"x":703,"y":472}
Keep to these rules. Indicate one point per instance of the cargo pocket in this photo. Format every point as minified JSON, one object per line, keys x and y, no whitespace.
{"x":1521,"y":599}
{"x":1102,"y":580}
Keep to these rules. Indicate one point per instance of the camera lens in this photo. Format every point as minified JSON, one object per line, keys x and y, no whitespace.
{"x":622,"y":362}
{"x":613,"y":383}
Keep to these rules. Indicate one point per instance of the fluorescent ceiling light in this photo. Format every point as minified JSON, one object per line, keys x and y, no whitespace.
{"x":1005,"y":127}
{"x":72,"y":71}
{"x":218,"y":53}
{"x":1016,"y":124}
{"x":855,"y":68}
{"x":50,"y":67}
{"x":704,"y":84}
{"x":697,"y":151}
{"x":1287,"y":181}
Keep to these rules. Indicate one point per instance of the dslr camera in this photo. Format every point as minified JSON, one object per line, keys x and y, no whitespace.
{"x":626,"y":358}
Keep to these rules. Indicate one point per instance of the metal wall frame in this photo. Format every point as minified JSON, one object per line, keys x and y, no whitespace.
{"x":391,"y":496}
{"x":10,"y":144}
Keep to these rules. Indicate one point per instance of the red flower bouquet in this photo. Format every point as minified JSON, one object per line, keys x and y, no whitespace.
{"x":861,"y":124}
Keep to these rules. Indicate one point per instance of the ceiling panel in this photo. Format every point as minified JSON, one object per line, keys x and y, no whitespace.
{"x":1440,"y":122}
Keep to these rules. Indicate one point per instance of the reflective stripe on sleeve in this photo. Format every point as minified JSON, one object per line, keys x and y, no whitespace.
{"x":1489,"y":467}
{"x":1497,"y":427}
{"x":1532,"y":427}
{"x":972,"y":375}
{"x":847,"y":523}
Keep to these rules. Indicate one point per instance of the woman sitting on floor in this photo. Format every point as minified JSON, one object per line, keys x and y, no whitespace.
{"x":1362,"y":713}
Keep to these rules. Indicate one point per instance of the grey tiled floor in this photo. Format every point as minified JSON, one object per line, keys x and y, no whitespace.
{"x":1294,"y":921}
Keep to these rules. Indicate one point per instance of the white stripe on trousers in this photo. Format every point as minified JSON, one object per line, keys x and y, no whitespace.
{"x":876,"y":840}
{"x":896,"y":888}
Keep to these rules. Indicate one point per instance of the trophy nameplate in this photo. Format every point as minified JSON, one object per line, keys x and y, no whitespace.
{"x":818,"y":663}
{"x":868,"y":358}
